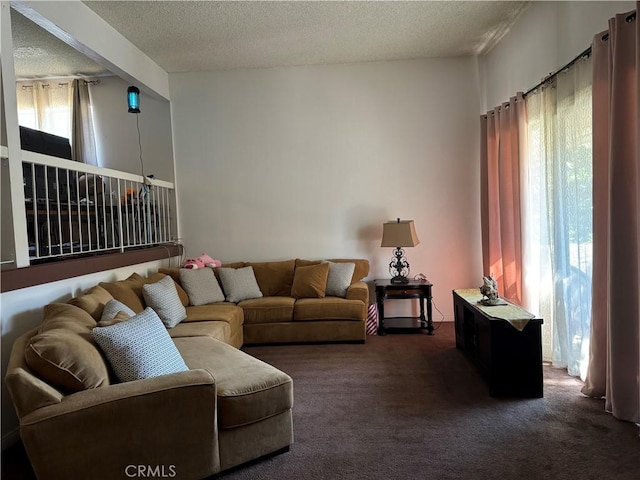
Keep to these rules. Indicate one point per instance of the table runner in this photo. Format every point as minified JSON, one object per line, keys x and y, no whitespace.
{"x":514,"y":314}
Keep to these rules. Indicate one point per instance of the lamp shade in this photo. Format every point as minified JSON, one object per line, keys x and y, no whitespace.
{"x":399,"y":233}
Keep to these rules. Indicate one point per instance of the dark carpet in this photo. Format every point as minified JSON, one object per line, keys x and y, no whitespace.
{"x":411,"y":406}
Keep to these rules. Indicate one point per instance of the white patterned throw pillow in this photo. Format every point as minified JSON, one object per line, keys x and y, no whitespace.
{"x":163,"y":297}
{"x":139,"y":348}
{"x":113,"y":308}
{"x":201,"y":286}
{"x":339,"y":278}
{"x":239,"y":284}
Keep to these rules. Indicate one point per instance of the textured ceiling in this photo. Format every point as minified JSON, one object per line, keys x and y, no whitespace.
{"x":185,"y":36}
{"x":38,"y":54}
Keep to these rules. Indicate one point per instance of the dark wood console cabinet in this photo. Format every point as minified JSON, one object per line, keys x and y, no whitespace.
{"x":509,"y":359}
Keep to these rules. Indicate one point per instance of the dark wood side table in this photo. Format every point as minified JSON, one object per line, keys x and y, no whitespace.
{"x":420,"y":289}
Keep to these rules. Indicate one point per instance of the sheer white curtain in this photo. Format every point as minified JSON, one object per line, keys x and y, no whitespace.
{"x":46,"y":106}
{"x":557,"y":213}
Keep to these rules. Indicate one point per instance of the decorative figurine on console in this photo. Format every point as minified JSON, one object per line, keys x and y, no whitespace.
{"x":489,"y":291}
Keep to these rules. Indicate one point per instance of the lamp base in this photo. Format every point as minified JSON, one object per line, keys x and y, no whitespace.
{"x":399,"y":267}
{"x":399,"y":279}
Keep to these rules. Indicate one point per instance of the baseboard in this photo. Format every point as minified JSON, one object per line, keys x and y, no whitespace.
{"x":10,"y":439}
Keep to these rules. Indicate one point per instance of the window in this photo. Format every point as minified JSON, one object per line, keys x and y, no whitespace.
{"x":557,"y":216}
{"x":46,"y":106}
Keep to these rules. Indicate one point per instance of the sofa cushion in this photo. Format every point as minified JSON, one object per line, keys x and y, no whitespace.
{"x":310,"y":281}
{"x":139,"y":348}
{"x":175,"y":274}
{"x":63,"y":352}
{"x":215,"y":329}
{"x":339,"y":278}
{"x":226,"y":312}
{"x":93,"y":301}
{"x":274,"y":278}
{"x":121,"y":316}
{"x":201,"y":285}
{"x":126,"y":291}
{"x":267,"y":310}
{"x":231,"y":265}
{"x":360,"y":291}
{"x":239,"y":284}
{"x":163,"y":298}
{"x":328,"y":308}
{"x":248,"y":389}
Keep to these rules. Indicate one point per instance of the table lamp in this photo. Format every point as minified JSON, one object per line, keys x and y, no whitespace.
{"x":398,"y":234}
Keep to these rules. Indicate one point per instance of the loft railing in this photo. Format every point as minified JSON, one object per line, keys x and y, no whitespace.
{"x":76,"y":209}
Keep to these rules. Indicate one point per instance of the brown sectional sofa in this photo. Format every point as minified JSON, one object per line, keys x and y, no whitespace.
{"x":279,"y":318}
{"x":227,"y":409}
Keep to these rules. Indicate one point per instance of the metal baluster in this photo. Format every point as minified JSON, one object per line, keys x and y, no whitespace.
{"x":78,"y":211}
{"x":69,"y":212}
{"x":86,"y":190}
{"x":59,"y":211}
{"x":34,"y":201}
{"x":96,"y":218}
{"x":46,"y":194}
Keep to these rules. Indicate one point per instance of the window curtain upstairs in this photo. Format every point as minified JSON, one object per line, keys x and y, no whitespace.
{"x":83,"y":145}
{"x":45,"y":106}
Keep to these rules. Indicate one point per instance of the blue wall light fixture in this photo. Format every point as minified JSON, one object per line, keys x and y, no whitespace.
{"x":133,"y":99}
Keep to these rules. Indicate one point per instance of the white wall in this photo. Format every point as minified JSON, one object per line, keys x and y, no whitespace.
{"x":308,"y":162}
{"x":546,"y":37}
{"x":117,"y":136}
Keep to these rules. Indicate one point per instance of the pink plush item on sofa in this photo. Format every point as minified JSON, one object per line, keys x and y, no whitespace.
{"x":202,"y":261}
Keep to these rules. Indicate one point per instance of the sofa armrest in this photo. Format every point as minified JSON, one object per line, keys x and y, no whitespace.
{"x":358,"y":291}
{"x":27,"y":391}
{"x":165,"y":421}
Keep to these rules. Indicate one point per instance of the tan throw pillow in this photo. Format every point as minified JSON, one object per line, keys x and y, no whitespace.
{"x":93,"y":301}
{"x":63,"y":352}
{"x":310,"y":281}
{"x":274,"y":278}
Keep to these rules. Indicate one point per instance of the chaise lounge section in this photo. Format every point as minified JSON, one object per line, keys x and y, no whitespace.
{"x":78,"y":421}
